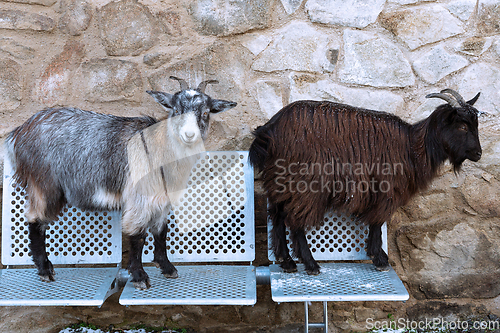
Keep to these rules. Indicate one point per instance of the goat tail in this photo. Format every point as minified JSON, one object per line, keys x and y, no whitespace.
{"x":258,"y":151}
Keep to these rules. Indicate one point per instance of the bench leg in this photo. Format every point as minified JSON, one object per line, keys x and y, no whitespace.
{"x":323,"y":325}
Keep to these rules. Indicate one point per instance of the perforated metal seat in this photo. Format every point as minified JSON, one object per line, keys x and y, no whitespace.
{"x":213,"y":225}
{"x":77,"y":237}
{"x":340,"y":238}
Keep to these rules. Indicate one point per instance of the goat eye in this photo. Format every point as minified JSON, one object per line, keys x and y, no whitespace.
{"x":463,"y":128}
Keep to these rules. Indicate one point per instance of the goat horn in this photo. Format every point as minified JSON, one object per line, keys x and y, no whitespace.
{"x":204,"y":84}
{"x":457,"y":96}
{"x":447,"y":98}
{"x":183,"y":83}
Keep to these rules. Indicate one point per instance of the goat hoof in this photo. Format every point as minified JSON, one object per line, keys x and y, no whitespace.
{"x":142,"y":285}
{"x":314,"y":271}
{"x":290,"y":270}
{"x":47,"y":278}
{"x":382,"y":268}
{"x":173,"y":275}
{"x":289,"y":266}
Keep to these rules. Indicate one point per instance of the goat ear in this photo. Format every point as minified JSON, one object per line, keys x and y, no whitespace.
{"x":166,"y":100}
{"x":219,"y":105}
{"x":472,"y":101}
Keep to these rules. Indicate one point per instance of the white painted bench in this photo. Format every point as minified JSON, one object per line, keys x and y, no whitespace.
{"x":213,"y":227}
{"x":341,"y":238}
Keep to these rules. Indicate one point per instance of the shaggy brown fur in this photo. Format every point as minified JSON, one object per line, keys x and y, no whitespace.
{"x":315,"y":156}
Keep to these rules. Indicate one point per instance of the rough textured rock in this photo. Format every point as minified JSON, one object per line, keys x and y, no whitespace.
{"x":171,"y":21}
{"x":304,"y":86}
{"x":438,"y":63}
{"x":155,"y":60}
{"x":406,"y":2}
{"x":422,"y":25}
{"x":108,"y":80}
{"x":47,"y":3}
{"x":76,"y":17}
{"x":449,"y":259}
{"x":256,"y":43}
{"x":22,"y":20}
{"x":269,"y":96}
{"x":474,"y":46}
{"x":462,"y":9}
{"x":484,"y":78}
{"x":351,"y":13}
{"x":373,"y":61}
{"x":15,"y":49}
{"x":138,"y":35}
{"x":299,"y":47}
{"x":224,"y":17}
{"x":480,"y":195}
{"x":291,"y":5}
{"x":425,"y":206}
{"x":488,"y":16}
{"x":10,"y":84}
{"x":53,"y":85}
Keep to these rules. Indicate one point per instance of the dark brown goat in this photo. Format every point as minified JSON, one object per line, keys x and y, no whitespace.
{"x":315,"y":156}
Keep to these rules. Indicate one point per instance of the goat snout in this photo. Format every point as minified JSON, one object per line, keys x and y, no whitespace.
{"x":477,"y":155}
{"x":190,"y":137}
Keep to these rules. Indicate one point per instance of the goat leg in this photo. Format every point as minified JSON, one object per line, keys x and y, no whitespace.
{"x":140,"y":278}
{"x":279,"y":245}
{"x":374,"y":248}
{"x":38,"y":251}
{"x":302,"y":251}
{"x":160,"y":254}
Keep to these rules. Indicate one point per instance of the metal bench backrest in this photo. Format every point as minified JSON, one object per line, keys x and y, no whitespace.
{"x":215,"y":220}
{"x":76,"y":237}
{"x":341,"y":237}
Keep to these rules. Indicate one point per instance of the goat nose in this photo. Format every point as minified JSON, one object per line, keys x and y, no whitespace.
{"x":479,"y":153}
{"x":190,"y":135}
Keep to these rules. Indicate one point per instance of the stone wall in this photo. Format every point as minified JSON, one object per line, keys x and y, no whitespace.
{"x":380,"y":54}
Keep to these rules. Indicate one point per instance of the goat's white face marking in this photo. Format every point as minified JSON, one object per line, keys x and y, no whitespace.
{"x":186,"y":128}
{"x":192,"y":92}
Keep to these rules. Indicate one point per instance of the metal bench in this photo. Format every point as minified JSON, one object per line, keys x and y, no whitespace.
{"x":341,"y":238}
{"x":77,"y":238}
{"x":213,"y":224}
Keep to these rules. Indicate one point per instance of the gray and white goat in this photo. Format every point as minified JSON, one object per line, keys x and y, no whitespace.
{"x":104,"y":162}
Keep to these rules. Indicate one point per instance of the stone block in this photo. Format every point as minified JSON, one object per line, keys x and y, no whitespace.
{"x":350,"y":13}
{"x":298,"y":46}
{"x":23,"y":20}
{"x":269,"y":96}
{"x":109,"y":80}
{"x":462,"y":9}
{"x":437,"y":63}
{"x":422,"y":25}
{"x":305,"y":86}
{"x":474,"y":46}
{"x":482,"y":195}
{"x":291,"y":5}
{"x":225,"y":17}
{"x":10,"y":84}
{"x":372,"y":60}
{"x":488,"y":16}
{"x":451,"y":257}
{"x":15,"y":49}
{"x":484,"y":78}
{"x":157,"y":59}
{"x":47,"y":3}
{"x":127,"y":28}
{"x":54,"y":83}
{"x":76,"y":17}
